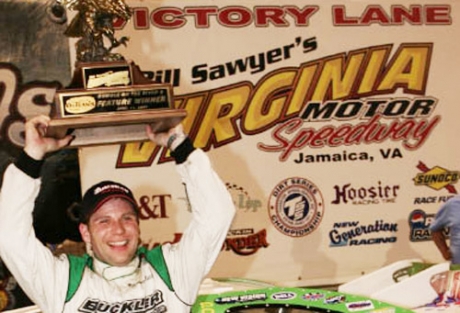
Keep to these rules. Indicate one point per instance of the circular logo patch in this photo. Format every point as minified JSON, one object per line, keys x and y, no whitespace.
{"x":296,"y":207}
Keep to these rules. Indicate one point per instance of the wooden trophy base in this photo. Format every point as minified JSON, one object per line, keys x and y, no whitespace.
{"x":105,"y":129}
{"x":111,"y":103}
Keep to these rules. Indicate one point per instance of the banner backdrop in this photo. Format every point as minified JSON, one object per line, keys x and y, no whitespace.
{"x":332,"y":123}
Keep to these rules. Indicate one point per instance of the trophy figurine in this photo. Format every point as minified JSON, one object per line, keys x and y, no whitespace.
{"x":93,"y":22}
{"x":109,"y":100}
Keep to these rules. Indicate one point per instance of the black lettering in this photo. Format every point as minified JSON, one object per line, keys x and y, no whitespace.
{"x":199,"y":74}
{"x":309,"y":44}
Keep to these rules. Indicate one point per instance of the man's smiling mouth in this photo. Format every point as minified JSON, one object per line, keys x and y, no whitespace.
{"x":118,"y":243}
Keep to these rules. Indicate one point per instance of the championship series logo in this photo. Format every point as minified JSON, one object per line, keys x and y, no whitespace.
{"x":296,"y":207}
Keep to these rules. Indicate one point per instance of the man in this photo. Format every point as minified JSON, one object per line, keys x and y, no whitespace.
{"x":448,"y":217}
{"x":116,"y":275}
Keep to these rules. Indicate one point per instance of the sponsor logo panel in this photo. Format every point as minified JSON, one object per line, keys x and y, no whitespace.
{"x":364,"y":195}
{"x":360,"y":306}
{"x":242,"y":199}
{"x":419,"y":224}
{"x":242,"y":298}
{"x":335,"y":299}
{"x":436,"y":178}
{"x":296,"y":207}
{"x":313,"y":296}
{"x":284,"y":296}
{"x":352,"y":233}
{"x":246,"y":241}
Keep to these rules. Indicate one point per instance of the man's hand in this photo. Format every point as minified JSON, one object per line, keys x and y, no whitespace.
{"x":440,"y":241}
{"x":170,"y":139}
{"x":36,"y":144}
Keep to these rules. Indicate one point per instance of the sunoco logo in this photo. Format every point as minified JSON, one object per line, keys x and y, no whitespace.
{"x":296,"y":207}
{"x":436,"y":178}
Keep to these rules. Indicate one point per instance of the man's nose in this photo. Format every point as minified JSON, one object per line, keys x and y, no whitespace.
{"x":118,"y":226}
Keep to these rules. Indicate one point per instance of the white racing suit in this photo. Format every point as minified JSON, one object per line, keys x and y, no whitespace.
{"x":84,"y":284}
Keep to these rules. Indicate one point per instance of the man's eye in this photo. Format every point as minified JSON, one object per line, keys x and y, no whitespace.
{"x":129,"y":218}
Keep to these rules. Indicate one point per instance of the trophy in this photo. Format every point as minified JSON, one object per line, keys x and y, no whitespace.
{"x":108,"y":100}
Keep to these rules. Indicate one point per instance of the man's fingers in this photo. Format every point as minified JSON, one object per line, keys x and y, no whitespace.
{"x":149,"y":131}
{"x":42,"y":129}
{"x":179,"y":128}
{"x":40,"y":119}
{"x":162,"y":138}
{"x":64,"y":142}
{"x":37,"y":144}
{"x":39,"y":123}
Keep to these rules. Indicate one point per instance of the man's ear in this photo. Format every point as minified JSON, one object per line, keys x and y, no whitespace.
{"x":84,"y":232}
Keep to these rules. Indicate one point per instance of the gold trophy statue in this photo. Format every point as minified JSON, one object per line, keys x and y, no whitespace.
{"x":109,"y":100}
{"x":93,"y":22}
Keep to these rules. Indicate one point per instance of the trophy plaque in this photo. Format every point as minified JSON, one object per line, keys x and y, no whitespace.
{"x":109,"y":100}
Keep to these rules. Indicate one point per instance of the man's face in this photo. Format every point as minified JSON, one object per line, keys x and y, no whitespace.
{"x":113,"y":232}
